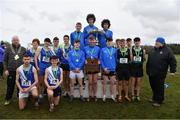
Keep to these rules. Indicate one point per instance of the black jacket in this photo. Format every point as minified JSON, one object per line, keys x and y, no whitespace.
{"x":9,"y":62}
{"x":158,"y":61}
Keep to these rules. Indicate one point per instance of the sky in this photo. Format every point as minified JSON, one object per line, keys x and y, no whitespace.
{"x":147,"y":19}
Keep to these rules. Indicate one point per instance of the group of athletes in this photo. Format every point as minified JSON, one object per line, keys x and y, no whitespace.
{"x":51,"y":67}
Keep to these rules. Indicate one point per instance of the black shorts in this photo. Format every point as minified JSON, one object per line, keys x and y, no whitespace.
{"x":137,"y":71}
{"x":57,"y":92}
{"x":65,"y":67}
{"x":111,"y":73}
{"x":123,"y":74}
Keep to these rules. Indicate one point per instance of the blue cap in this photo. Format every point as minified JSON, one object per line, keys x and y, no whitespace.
{"x":160,"y":40}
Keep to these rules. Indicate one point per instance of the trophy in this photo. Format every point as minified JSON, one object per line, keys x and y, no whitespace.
{"x":92,"y":66}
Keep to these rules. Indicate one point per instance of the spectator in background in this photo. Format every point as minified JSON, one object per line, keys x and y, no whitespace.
{"x":1,"y":59}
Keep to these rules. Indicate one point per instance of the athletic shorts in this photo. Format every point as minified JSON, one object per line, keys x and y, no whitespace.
{"x":26,"y":95}
{"x":111,"y":73}
{"x":74,"y":75}
{"x":92,"y":72}
{"x":57,"y":92}
{"x":123,"y":74}
{"x":136,"y":71}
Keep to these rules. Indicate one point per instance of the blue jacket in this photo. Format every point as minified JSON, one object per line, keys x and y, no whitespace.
{"x":86,"y":33}
{"x":92,"y":52}
{"x":106,"y":61}
{"x":77,"y":36}
{"x":102,"y":37}
{"x":76,"y":59}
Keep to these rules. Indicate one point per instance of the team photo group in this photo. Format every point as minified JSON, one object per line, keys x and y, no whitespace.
{"x":86,"y":56}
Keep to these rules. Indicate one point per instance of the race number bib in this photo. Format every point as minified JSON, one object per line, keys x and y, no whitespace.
{"x":45,"y":59}
{"x":137,"y":59}
{"x":26,"y":83}
{"x":54,"y":81}
{"x":123,"y":60}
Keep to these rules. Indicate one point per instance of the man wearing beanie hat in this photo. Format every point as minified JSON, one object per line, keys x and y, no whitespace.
{"x":159,"y":58}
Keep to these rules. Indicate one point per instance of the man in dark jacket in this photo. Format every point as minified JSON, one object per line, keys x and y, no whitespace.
{"x":12,"y":60}
{"x":159,"y":59}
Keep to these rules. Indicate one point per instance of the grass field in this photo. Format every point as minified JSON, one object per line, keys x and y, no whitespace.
{"x":90,"y":110}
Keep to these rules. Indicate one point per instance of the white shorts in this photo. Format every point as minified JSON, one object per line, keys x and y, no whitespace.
{"x":73,"y":75}
{"x":25,"y":95}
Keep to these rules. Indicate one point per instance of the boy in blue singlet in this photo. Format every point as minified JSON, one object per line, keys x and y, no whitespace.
{"x":53,"y":79}
{"x":26,"y":81}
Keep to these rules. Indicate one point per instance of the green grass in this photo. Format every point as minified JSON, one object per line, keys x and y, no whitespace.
{"x":143,"y":109}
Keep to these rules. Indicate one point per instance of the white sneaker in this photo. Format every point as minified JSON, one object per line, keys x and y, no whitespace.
{"x":113,"y":98}
{"x":104,"y":98}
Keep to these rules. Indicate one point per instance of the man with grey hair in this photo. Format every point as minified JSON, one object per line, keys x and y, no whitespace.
{"x":12,"y":60}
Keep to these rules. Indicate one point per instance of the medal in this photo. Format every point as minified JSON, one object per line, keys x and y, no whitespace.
{"x":55,"y":72}
{"x":77,"y":56}
{"x":16,"y":57}
{"x":91,"y":52}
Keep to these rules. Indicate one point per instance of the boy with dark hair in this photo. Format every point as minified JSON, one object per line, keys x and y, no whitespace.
{"x":105,"y":33}
{"x":77,"y":35}
{"x":90,"y":29}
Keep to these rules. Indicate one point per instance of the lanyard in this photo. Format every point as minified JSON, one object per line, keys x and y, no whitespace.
{"x":55,"y":72}
{"x":78,"y":35}
{"x":55,"y":49}
{"x":110,"y":52}
{"x":76,"y":54}
{"x":123,"y":51}
{"x":46,"y":52}
{"x":91,"y":51}
{"x":137,"y":51}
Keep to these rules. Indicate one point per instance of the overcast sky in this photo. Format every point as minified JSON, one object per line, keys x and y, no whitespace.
{"x":147,"y":19}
